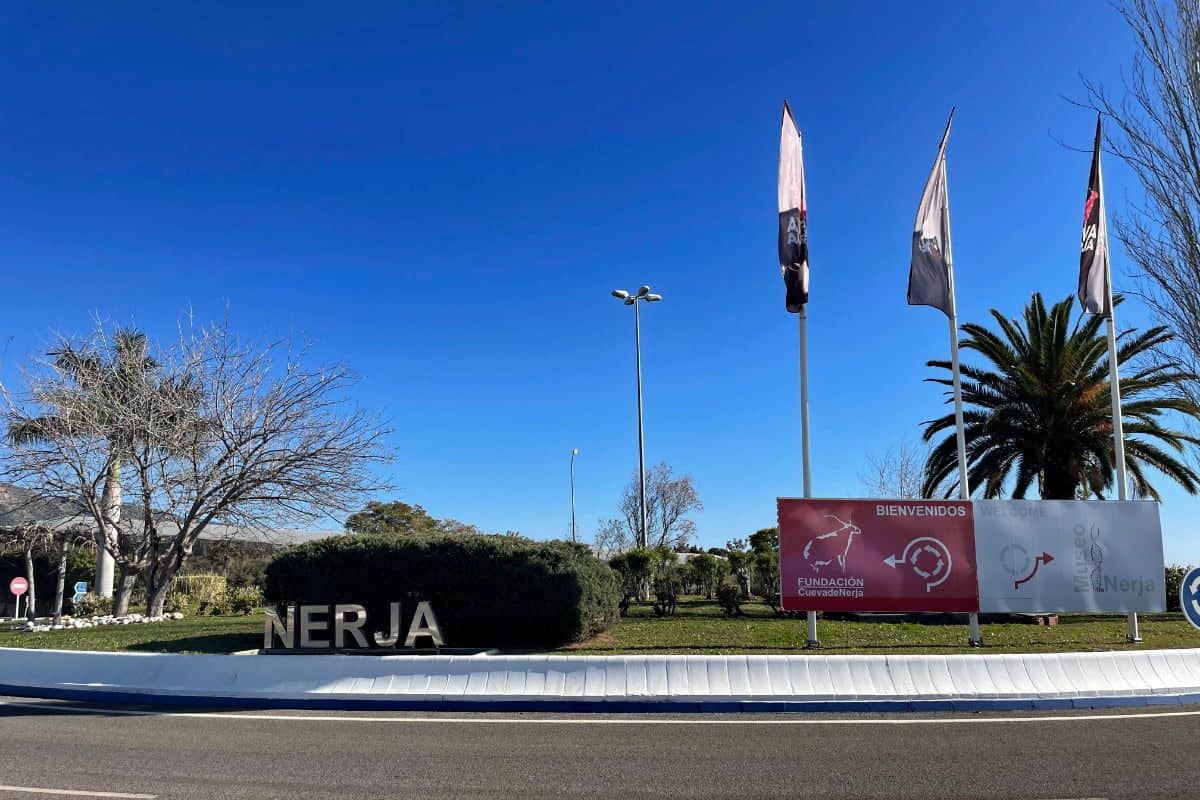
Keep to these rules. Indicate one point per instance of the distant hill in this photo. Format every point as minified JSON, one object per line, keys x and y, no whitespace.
{"x":20,"y":506}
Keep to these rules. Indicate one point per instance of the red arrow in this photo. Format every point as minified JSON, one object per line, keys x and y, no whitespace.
{"x":1044,"y":558}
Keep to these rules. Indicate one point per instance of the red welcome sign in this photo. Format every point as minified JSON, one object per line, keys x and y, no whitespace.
{"x":877,"y":555}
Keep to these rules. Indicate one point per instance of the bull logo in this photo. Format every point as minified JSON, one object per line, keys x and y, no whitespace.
{"x":827,"y":548}
{"x":1093,"y":195}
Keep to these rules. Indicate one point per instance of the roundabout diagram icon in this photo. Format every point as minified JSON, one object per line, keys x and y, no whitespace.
{"x":926,"y":556}
{"x":1189,"y":596}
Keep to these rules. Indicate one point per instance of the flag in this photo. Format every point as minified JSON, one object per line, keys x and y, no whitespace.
{"x":929,"y":273}
{"x":793,"y":214}
{"x":1094,"y":293}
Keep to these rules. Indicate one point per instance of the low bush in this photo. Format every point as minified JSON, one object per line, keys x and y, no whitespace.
{"x":729,"y":595}
{"x":244,"y":600}
{"x":503,"y":591}
{"x":205,"y":590}
{"x":179,"y":603}
{"x":1174,"y":574}
{"x":92,"y":605}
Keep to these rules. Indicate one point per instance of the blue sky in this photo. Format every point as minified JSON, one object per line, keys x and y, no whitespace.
{"x":443,"y":196}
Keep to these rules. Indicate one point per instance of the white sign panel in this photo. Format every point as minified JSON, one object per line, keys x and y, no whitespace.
{"x":1069,"y":556}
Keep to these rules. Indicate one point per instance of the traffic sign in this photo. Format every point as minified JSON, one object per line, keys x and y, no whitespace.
{"x":81,"y":587}
{"x":18,"y":586}
{"x":1189,"y":596}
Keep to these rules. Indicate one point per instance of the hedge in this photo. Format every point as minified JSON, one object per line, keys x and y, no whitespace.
{"x":81,"y":566}
{"x":486,"y":591}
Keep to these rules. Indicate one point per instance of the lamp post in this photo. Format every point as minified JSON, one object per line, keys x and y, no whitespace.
{"x":574,"y":452}
{"x":643,"y":295}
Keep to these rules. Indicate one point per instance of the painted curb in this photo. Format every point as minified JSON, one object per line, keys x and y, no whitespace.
{"x":610,"y":684}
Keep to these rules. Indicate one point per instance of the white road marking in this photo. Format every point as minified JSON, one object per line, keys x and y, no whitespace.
{"x":232,"y":715}
{"x":76,"y":792}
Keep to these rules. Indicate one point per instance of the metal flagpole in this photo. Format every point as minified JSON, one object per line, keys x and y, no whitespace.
{"x":812,"y":640}
{"x":964,"y":486}
{"x":1131,"y":621}
{"x":1132,"y":633}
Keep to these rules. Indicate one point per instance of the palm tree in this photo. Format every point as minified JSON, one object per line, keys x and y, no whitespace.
{"x":105,"y":378}
{"x":1041,"y":410}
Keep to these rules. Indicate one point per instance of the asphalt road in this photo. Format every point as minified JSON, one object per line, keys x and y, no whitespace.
{"x":1109,"y":754}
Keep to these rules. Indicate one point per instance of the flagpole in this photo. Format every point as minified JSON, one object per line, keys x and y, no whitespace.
{"x":1132,"y":634}
{"x":964,"y":487}
{"x":812,"y":641}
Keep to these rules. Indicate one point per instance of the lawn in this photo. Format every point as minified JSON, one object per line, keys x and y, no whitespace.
{"x":188,"y":635}
{"x":699,"y":627}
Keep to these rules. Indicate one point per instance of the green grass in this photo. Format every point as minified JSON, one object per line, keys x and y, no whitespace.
{"x":188,"y":635}
{"x":699,"y":627}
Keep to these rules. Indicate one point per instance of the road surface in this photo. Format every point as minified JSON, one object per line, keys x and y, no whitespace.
{"x":56,"y":749}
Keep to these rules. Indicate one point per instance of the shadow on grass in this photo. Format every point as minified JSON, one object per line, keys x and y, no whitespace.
{"x":212,"y":643}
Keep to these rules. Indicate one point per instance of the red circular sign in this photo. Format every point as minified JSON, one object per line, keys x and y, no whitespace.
{"x":18,"y":586}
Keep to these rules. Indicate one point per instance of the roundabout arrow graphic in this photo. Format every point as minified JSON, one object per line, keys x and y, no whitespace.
{"x":1044,"y":558}
{"x":935,"y":548}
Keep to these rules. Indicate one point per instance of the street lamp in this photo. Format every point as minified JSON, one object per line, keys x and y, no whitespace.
{"x":574,"y":452}
{"x":645,"y":295}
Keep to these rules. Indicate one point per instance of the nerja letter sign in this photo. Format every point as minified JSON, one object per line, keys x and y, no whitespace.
{"x":340,"y":626}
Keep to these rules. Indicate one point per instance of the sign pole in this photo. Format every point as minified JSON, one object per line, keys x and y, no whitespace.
{"x":812,"y":641}
{"x":975,"y":638}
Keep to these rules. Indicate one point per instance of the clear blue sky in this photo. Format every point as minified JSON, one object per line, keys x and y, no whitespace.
{"x":444,"y":195}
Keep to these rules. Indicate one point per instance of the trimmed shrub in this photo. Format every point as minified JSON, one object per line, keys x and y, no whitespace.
{"x":244,"y":600}
{"x":92,"y":605}
{"x":178,"y":602}
{"x":1174,"y":574}
{"x":729,"y":595}
{"x":502,"y":591}
{"x":81,"y":563}
{"x":206,"y":591}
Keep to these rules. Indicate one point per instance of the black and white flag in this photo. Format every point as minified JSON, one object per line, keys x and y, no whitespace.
{"x":929,"y":272}
{"x":1094,"y":293}
{"x":793,"y":214}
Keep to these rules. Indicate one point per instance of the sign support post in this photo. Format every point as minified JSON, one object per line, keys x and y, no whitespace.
{"x":18,"y":586}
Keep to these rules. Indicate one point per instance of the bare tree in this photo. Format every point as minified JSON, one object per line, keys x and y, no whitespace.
{"x":64,"y":539}
{"x":1156,"y":132}
{"x":219,"y":433}
{"x":612,"y":538}
{"x":897,"y":473}
{"x":669,"y":500}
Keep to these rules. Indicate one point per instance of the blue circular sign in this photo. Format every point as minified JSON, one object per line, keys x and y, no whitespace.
{"x":1189,"y":596}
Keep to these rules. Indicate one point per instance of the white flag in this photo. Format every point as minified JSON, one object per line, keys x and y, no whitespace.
{"x":929,"y":271}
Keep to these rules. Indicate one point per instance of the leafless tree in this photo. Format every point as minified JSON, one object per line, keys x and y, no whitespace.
{"x":669,"y":500}
{"x":1155,"y":130}
{"x":612,"y":538}
{"x":220,"y":433}
{"x":897,"y":473}
{"x":64,"y":539}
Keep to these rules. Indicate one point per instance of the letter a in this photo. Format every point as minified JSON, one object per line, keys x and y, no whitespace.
{"x":424,"y":623}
